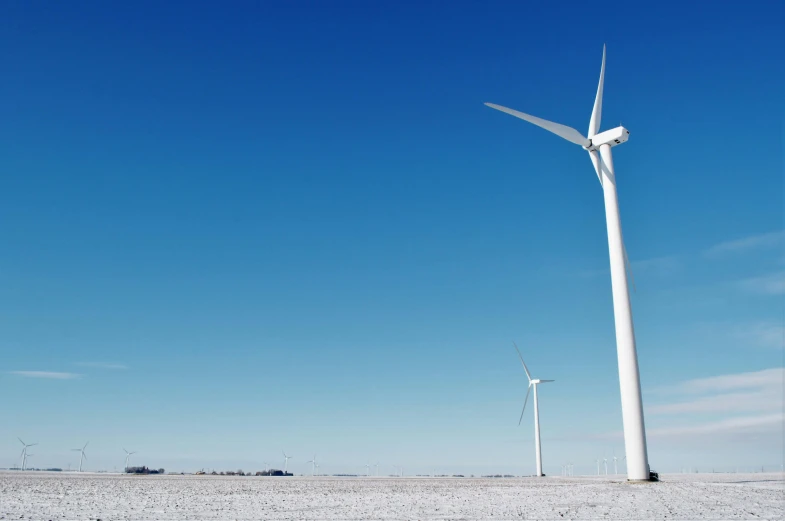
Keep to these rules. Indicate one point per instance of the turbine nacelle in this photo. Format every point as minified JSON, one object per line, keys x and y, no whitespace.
{"x":612,"y":137}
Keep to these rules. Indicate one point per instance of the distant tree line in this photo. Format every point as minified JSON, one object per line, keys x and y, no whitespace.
{"x":239,"y":472}
{"x":143,"y":470}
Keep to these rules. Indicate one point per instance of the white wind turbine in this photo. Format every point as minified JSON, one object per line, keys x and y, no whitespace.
{"x":285,"y":461}
{"x":599,"y":145}
{"x":605,"y":462}
{"x":615,"y":469}
{"x":313,"y":465}
{"x":533,"y":383}
{"x":24,"y":455}
{"x":82,"y":455}
{"x":598,"y":467}
{"x":377,"y":468}
{"x":368,"y":469}
{"x":127,"y":457}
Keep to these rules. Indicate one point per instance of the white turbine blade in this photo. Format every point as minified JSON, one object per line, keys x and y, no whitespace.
{"x":528,"y":375}
{"x":20,"y":441}
{"x":595,"y":160}
{"x":524,"y":404}
{"x":568,"y":133}
{"x":596,"y":113}
{"x":544,"y":381}
{"x":32,"y":445}
{"x":85,"y":445}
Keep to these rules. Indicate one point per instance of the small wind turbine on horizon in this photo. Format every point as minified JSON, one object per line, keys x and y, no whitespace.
{"x":598,"y":467}
{"x":533,"y":383}
{"x":377,"y":468}
{"x":605,"y":462}
{"x":313,"y":465}
{"x":368,"y":469}
{"x":615,"y":469}
{"x":82,"y":455}
{"x":598,"y":145}
{"x":127,"y":457}
{"x":24,"y":455}
{"x":285,"y":461}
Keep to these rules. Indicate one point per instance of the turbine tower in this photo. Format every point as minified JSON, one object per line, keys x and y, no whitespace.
{"x":598,"y":145}
{"x":24,"y":455}
{"x":127,"y":457}
{"x":285,"y":461}
{"x":533,"y":383}
{"x":367,"y":469}
{"x":82,"y":455}
{"x":313,"y":465}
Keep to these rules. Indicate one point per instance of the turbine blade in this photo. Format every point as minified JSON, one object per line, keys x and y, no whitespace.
{"x":595,"y":160}
{"x":524,"y":403}
{"x":85,"y":445}
{"x":543,"y":381}
{"x":528,"y":375}
{"x":20,"y":441}
{"x":563,"y":131}
{"x":32,"y":445}
{"x":596,"y":113}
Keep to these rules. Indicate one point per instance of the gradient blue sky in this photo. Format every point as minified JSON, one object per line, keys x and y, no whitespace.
{"x":232,"y":230}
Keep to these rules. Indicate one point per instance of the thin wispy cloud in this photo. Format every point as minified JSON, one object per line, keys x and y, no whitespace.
{"x":743,"y":424}
{"x":731,"y":382}
{"x":50,"y":375}
{"x":746,"y":244}
{"x":103,"y":365}
{"x":772,"y":284}
{"x":768,"y":334}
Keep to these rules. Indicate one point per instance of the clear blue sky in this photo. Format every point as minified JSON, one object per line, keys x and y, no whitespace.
{"x":231,"y":230}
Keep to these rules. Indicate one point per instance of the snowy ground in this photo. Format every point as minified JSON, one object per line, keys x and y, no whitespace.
{"x":41,"y":495}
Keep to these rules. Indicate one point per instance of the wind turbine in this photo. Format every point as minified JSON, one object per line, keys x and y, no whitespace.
{"x":313,"y":465}
{"x":533,"y":383}
{"x":599,"y":145}
{"x":285,"y":461}
{"x":615,"y":469}
{"x":24,"y":455}
{"x":605,"y":462}
{"x":127,"y":457}
{"x":598,"y":467}
{"x":82,"y":455}
{"x":377,"y":468}
{"x":367,"y":469}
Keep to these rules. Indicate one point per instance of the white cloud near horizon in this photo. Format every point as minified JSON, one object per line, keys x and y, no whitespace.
{"x":739,"y":396}
{"x":51,"y":375}
{"x":753,"y":242}
{"x":771,"y":284}
{"x":103,"y":365}
{"x":763,"y":334}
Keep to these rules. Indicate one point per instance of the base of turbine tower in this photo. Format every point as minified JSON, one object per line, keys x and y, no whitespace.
{"x":653,"y":477}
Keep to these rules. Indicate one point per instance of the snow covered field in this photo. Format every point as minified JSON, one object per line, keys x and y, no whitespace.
{"x":41,"y":495}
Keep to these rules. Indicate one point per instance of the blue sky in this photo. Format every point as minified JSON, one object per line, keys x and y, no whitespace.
{"x":231,"y":231}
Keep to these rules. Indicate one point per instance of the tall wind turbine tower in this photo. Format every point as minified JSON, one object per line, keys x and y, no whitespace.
{"x":127,"y":457}
{"x":82,"y":455}
{"x":313,"y":465}
{"x":598,"y":145}
{"x":24,"y":455}
{"x":285,"y":461}
{"x":533,"y":383}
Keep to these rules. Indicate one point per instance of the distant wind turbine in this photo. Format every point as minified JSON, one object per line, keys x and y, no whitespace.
{"x":82,"y":455}
{"x":127,"y":457}
{"x":24,"y":454}
{"x":598,"y":467}
{"x":598,"y":145}
{"x":533,"y":383}
{"x":368,"y":469}
{"x":615,"y":469}
{"x":285,"y":462}
{"x":605,"y":462}
{"x":313,"y":465}
{"x":377,"y":468}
